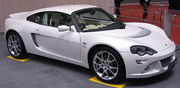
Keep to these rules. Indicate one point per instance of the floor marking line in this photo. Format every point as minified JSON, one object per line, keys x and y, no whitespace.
{"x":94,"y":79}
{"x":21,"y":60}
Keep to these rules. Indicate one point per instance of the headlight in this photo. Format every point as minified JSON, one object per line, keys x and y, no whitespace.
{"x":142,"y":50}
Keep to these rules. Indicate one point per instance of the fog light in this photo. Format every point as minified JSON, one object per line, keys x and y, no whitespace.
{"x":150,"y":67}
{"x":141,"y":61}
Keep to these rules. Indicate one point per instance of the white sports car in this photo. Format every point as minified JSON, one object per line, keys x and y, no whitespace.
{"x":88,"y":36}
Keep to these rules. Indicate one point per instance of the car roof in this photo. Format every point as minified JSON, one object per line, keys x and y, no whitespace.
{"x":68,"y":9}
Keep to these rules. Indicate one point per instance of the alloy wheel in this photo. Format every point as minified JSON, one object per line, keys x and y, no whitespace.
{"x":14,"y":45}
{"x":105,"y":65}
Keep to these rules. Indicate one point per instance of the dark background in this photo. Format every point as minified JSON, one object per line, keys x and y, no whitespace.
{"x":137,"y":1}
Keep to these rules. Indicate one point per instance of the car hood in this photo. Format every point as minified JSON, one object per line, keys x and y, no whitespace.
{"x":130,"y":31}
{"x":141,"y":35}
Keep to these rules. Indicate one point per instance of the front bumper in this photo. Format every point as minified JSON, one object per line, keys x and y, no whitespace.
{"x":172,"y":64}
{"x":148,"y":66}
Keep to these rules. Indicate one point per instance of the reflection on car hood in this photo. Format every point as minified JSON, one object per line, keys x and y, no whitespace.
{"x":144,"y":32}
{"x":130,"y":31}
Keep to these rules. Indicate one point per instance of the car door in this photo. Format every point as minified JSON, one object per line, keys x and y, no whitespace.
{"x":64,"y":44}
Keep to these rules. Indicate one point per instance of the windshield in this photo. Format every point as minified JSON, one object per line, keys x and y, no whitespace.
{"x":95,"y":20}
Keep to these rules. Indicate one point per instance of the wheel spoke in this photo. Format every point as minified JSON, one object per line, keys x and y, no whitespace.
{"x":17,"y":40}
{"x":98,"y":58}
{"x":107,"y":74}
{"x":102,"y":57}
{"x":10,"y":47}
{"x":18,"y":45}
{"x":113,"y":67}
{"x":16,"y":52}
{"x":112,"y":72}
{"x":18,"y":49}
{"x":103,"y":73}
{"x":11,"y":39}
{"x":97,"y":66}
{"x":110,"y":61}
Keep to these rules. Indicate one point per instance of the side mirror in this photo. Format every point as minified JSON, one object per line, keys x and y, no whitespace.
{"x":63,"y":28}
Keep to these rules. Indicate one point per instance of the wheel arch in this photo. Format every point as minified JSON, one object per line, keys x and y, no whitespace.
{"x":10,"y":31}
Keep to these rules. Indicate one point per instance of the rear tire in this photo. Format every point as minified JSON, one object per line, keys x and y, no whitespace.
{"x":15,"y":45}
{"x":107,"y":65}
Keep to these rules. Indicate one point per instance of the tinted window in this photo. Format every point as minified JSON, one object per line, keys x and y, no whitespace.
{"x":36,"y":18}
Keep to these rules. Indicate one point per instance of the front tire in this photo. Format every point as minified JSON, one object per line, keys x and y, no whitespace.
{"x":15,"y":45}
{"x":107,"y":65}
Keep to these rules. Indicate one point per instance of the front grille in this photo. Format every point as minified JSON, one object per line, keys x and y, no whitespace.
{"x":165,"y":62}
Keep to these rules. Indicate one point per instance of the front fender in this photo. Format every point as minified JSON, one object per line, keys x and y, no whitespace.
{"x":120,"y":45}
